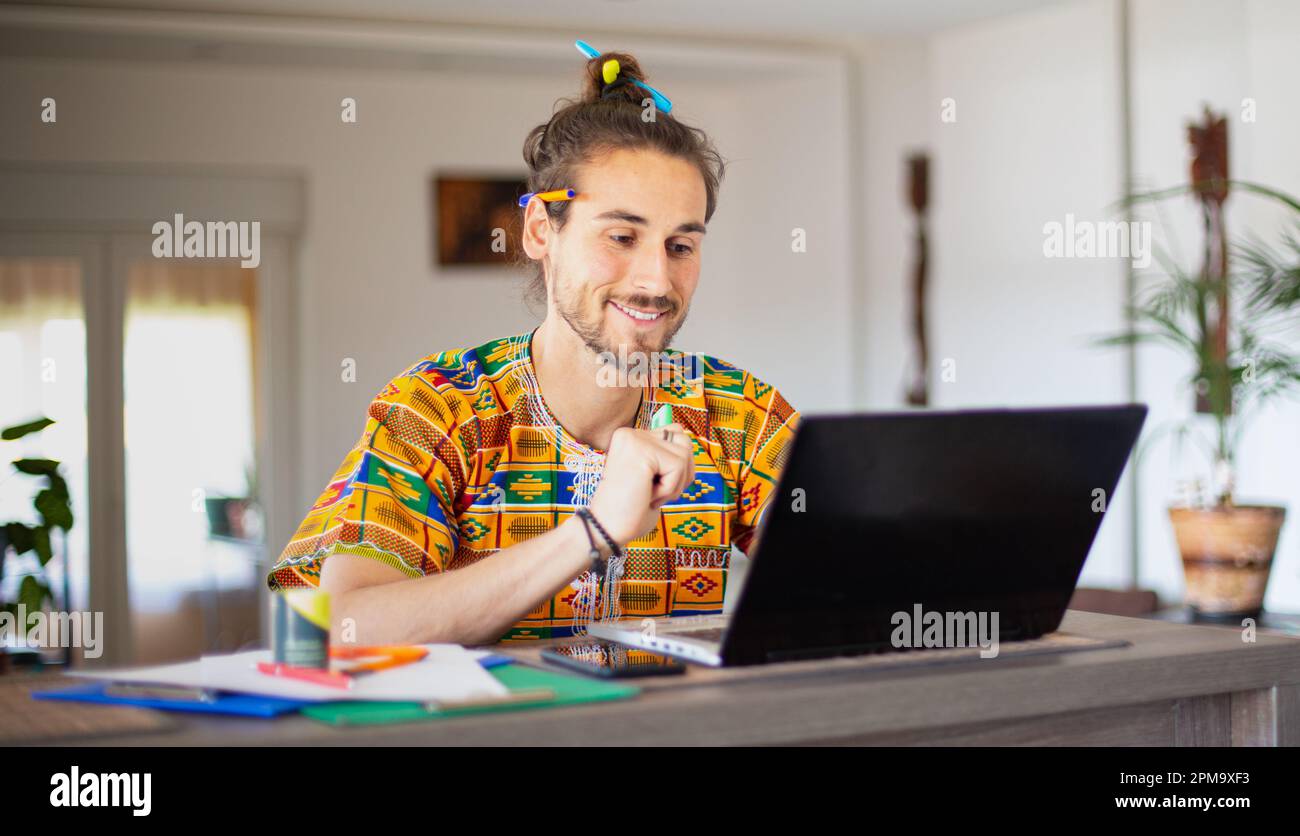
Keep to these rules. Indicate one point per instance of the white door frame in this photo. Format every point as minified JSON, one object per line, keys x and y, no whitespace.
{"x":103,"y":215}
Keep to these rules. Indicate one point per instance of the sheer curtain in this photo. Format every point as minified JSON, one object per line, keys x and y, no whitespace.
{"x":31,"y":287}
{"x":179,"y":287}
{"x":189,"y":378}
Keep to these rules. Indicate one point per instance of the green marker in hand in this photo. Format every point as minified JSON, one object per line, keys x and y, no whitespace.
{"x":663,"y":417}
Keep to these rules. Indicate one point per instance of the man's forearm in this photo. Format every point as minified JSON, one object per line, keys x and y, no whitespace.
{"x":473,"y":605}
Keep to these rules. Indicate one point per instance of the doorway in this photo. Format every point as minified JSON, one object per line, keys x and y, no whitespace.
{"x":159,"y":375}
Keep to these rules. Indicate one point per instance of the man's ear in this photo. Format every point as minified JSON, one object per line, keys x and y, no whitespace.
{"x":537,"y":230}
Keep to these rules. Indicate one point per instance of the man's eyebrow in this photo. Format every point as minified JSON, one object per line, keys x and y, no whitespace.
{"x":635,"y":219}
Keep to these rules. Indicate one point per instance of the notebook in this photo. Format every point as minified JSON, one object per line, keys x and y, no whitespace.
{"x":565,"y":690}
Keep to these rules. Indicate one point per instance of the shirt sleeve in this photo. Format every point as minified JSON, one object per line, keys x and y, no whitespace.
{"x":775,"y":423}
{"x":392,"y":498}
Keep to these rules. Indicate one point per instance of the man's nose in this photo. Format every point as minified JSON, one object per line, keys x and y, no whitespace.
{"x":650,"y":271}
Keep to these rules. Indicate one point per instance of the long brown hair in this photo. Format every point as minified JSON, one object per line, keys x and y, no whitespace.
{"x":584,"y":128}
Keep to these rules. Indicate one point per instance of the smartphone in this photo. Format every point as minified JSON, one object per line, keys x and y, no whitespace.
{"x":611,"y":661}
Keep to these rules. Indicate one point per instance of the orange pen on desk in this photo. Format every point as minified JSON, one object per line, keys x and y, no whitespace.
{"x":389,"y":656}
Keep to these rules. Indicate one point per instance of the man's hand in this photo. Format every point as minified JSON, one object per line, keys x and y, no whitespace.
{"x":643,"y":472}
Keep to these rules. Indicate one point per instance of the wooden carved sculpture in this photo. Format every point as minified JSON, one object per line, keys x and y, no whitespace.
{"x":1209,"y":141}
{"x":918,"y":387}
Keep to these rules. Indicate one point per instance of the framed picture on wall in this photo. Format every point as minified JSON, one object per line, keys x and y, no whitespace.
{"x":476,"y":220}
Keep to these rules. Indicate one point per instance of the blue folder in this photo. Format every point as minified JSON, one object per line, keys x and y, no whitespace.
{"x":244,"y":705}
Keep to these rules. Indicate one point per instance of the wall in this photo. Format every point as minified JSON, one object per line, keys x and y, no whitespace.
{"x":367,"y":288}
{"x":899,"y":113}
{"x":1037,"y":135}
{"x":1187,"y":55}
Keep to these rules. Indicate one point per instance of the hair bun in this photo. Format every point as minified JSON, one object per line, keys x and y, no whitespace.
{"x":629,"y":70}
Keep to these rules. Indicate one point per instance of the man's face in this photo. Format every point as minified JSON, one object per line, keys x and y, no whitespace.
{"x":623,"y":269}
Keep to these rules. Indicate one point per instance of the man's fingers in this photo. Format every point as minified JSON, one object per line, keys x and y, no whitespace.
{"x":688,"y":472}
{"x":674,"y":436}
{"x":678,"y":445}
{"x":676,"y":465}
{"x":670,"y":432}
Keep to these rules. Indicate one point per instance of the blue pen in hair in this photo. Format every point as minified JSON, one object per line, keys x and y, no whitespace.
{"x":661,"y":101}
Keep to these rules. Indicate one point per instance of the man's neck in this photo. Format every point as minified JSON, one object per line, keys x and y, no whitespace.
{"x":566,"y":373}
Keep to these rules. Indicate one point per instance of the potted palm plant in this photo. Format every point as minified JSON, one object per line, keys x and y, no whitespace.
{"x":1233,"y":320}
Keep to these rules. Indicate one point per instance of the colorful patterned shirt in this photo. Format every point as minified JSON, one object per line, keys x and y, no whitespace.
{"x":460,"y":458}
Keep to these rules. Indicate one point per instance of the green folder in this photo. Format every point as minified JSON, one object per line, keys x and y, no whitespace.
{"x":567,"y":690}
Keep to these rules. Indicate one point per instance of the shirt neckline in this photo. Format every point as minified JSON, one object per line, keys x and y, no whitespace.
{"x":641,"y":420}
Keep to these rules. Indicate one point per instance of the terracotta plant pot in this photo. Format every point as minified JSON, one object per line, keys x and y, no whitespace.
{"x":1227,"y":555}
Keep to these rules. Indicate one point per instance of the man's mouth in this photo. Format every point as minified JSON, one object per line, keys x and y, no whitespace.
{"x":639,"y":316}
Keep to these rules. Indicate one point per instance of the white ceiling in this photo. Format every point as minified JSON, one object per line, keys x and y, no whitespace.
{"x":774,"y":19}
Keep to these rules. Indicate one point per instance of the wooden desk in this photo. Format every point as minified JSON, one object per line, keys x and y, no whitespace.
{"x":1175,"y":684}
{"x":1285,"y":623}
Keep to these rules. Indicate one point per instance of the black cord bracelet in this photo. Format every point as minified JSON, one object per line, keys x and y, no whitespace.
{"x":599,"y":564}
{"x":614,"y":549}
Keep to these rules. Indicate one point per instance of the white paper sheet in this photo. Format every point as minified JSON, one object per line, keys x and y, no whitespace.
{"x":449,"y":673}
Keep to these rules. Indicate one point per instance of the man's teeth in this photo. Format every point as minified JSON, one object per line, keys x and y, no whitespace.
{"x":637,"y":314}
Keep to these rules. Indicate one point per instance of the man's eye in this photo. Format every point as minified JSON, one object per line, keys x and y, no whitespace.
{"x":622,"y":239}
{"x":681,"y":249}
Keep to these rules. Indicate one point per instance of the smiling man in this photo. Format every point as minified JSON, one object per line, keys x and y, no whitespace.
{"x":515,"y":490}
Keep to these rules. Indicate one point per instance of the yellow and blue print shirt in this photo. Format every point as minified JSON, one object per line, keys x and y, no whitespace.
{"x":455,"y":464}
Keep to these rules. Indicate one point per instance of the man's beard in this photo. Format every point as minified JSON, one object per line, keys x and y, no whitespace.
{"x":588,"y":325}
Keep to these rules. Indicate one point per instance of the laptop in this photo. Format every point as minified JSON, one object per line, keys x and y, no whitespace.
{"x":977,"y":511}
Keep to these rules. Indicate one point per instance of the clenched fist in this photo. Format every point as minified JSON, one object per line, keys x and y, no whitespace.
{"x":643,"y":472}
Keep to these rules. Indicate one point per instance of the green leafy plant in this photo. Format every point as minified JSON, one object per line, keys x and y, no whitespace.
{"x":1242,"y":362}
{"x":55,"y":510}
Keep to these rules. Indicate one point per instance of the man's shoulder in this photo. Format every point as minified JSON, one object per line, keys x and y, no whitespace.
{"x":462,"y":371}
{"x":452,"y":386}
{"x":723,"y":379}
{"x":746,"y":414}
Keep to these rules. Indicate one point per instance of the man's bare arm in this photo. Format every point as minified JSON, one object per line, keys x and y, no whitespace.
{"x":472,"y":605}
{"x":478,"y":603}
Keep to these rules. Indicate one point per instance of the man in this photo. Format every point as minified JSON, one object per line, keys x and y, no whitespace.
{"x":454,"y":518}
